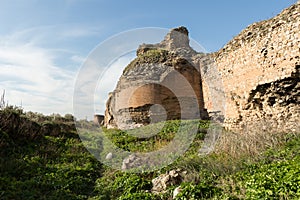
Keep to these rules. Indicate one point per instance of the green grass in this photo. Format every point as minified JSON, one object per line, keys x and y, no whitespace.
{"x":152,"y":137}
{"x":50,"y":168}
{"x":275,"y":176}
{"x":43,"y":165}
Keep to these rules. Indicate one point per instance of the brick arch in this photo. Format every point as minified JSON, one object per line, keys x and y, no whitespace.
{"x":186,"y":81}
{"x":150,"y":94}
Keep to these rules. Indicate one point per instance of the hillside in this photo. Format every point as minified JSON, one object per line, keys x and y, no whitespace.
{"x":255,"y":157}
{"x":38,"y":164}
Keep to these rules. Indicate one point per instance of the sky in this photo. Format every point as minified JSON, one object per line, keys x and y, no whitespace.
{"x":44,"y":44}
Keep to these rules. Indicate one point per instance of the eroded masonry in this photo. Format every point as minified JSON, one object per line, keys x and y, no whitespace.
{"x":253,"y":82}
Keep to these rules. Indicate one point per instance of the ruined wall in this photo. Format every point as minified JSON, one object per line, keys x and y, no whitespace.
{"x":98,"y":119}
{"x":260,"y":74}
{"x":252,"y":83}
{"x":162,"y":83}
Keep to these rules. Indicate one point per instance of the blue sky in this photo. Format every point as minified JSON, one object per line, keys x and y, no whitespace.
{"x":44,"y":43}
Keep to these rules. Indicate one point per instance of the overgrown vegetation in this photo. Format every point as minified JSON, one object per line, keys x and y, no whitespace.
{"x":42,"y":157}
{"x":39,"y":160}
{"x":150,"y":56}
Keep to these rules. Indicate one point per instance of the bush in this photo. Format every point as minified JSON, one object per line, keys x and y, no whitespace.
{"x":122,"y":184}
{"x":202,"y":190}
{"x":275,"y":176}
{"x":139,"y":196}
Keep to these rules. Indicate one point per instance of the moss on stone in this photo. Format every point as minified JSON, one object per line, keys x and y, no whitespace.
{"x":150,"y":56}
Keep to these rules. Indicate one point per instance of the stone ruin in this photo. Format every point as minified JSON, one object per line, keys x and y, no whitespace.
{"x":162,"y":83}
{"x":258,"y":69}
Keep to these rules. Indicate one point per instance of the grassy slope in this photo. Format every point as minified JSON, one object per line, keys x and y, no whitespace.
{"x":49,"y":165}
{"x":44,"y":166}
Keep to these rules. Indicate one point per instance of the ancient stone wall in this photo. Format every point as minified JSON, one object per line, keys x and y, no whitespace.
{"x":162,"y":83}
{"x":252,"y":83}
{"x":260,"y":74}
{"x":98,"y":119}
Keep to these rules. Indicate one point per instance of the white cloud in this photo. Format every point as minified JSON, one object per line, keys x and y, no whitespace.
{"x":38,"y":69}
{"x":29,"y":75}
{"x":78,"y":59}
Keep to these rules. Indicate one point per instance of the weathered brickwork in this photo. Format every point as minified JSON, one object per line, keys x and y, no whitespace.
{"x":252,"y":83}
{"x":162,"y":83}
{"x":260,"y":74}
